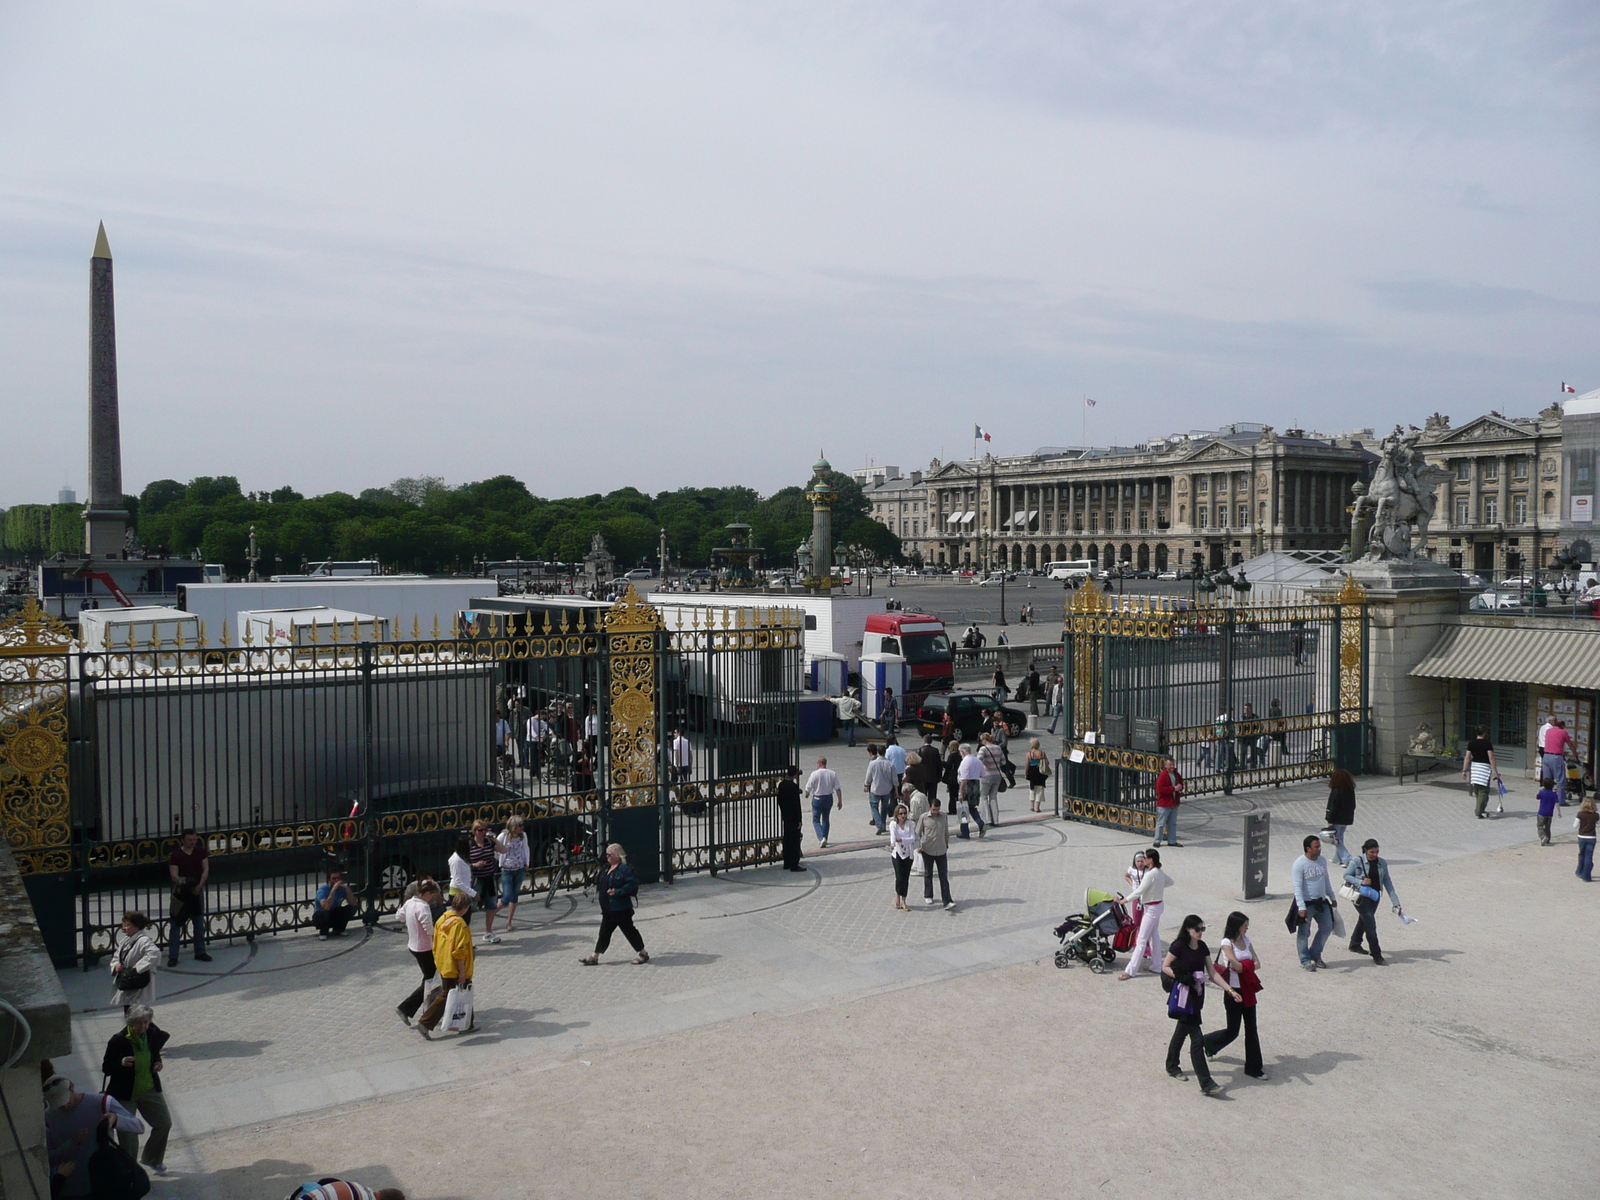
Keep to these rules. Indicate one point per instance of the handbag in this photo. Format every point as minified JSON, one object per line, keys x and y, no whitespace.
{"x":1348,"y":892}
{"x":113,"y":1174}
{"x":458,"y":1008}
{"x":127,"y":979}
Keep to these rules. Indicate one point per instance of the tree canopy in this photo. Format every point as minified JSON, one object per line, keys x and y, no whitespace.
{"x":423,"y":524}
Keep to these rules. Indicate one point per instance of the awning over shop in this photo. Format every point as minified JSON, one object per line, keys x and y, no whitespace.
{"x":1564,"y":658}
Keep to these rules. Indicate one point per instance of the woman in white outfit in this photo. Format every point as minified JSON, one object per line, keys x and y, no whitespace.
{"x":134,"y":962}
{"x":1151,"y":894}
{"x":511,"y":848}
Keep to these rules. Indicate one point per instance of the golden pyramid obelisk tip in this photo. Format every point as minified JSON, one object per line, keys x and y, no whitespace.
{"x":102,"y":248}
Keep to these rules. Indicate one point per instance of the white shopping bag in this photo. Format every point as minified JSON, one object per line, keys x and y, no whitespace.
{"x":1338,"y":925}
{"x":458,"y":1009}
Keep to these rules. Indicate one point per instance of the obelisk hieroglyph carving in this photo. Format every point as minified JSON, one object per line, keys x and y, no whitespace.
{"x":105,"y":522}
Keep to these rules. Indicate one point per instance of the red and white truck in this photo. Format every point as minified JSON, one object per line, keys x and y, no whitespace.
{"x":922,"y":640}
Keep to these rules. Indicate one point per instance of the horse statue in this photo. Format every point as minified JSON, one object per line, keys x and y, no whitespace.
{"x":1397,"y":506}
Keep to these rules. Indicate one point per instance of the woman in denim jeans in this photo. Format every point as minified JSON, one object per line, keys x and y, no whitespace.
{"x":512,"y":846}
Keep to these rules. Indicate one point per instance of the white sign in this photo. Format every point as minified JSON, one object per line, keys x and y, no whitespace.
{"x":1582,"y":510}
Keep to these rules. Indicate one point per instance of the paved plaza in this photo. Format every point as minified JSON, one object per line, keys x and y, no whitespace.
{"x":795,"y":1033}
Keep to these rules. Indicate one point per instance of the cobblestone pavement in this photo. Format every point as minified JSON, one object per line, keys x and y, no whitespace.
{"x":292,"y":1025}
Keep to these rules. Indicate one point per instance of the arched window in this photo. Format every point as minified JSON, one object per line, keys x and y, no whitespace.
{"x":1144,"y":557}
{"x":1161,"y":558}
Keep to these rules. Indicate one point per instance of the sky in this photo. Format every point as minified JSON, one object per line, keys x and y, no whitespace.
{"x":595,"y":245}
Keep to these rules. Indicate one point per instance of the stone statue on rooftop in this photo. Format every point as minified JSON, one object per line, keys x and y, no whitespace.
{"x":1391,"y":519}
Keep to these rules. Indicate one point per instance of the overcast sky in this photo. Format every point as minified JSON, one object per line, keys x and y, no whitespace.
{"x":596,"y":244}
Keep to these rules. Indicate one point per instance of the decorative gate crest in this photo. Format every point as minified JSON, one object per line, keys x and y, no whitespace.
{"x":35,"y":807}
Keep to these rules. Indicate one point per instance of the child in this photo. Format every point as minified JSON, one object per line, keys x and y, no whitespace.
{"x":1549,"y":806}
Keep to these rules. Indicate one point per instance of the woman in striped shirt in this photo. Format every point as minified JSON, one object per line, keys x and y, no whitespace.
{"x":485,"y":876}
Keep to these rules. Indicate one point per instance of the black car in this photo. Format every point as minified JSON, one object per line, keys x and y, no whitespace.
{"x":968,"y":710}
{"x":413,"y":838}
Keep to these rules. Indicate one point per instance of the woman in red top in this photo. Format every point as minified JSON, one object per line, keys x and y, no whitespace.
{"x":1169,"y":794}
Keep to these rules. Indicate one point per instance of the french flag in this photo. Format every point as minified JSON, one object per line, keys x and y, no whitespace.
{"x":978,"y":431}
{"x":1567,"y":387}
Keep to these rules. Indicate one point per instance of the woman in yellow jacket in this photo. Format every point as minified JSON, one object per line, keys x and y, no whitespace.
{"x":452,"y":954}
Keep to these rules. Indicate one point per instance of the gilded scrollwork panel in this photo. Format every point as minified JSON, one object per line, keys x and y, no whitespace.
{"x":35,"y":803}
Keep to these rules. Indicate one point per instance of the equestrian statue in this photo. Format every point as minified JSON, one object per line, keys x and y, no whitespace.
{"x":1390,"y":520}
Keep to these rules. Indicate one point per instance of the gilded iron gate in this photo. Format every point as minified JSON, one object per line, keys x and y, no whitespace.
{"x":359,"y":747}
{"x":1238,"y":695}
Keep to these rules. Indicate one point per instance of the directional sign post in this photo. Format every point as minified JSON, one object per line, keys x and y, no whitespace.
{"x":1257,"y":841}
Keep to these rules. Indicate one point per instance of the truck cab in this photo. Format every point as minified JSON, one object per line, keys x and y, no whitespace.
{"x":921,"y":640}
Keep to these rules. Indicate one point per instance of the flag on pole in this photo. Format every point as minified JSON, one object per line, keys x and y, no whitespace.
{"x":1088,"y":403}
{"x":1567,"y":387}
{"x":978,"y":431}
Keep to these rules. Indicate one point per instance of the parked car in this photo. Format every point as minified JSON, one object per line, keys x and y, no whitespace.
{"x":968,"y":709}
{"x":1168,"y":575}
{"x":640,"y":573}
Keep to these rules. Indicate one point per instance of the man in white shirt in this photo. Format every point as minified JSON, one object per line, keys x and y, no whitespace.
{"x":1539,"y":737}
{"x":969,"y":775}
{"x":823,"y":788}
{"x":682,"y":756}
{"x":879,"y":786}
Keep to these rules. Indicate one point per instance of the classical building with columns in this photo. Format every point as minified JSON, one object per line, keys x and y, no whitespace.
{"x":1206,"y":498}
{"x":1501,"y":510}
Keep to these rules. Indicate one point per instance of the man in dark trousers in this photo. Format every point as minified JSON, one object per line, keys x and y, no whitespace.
{"x":789,"y":814}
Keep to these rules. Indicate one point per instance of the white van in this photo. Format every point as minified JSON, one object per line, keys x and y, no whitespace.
{"x":1073,"y":570}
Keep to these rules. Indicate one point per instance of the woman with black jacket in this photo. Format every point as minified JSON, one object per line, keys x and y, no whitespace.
{"x":132,"y":1067}
{"x":1341,"y":813}
{"x":617,"y":888}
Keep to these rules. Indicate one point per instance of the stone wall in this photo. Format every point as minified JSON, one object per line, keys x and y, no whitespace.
{"x":28,"y":983}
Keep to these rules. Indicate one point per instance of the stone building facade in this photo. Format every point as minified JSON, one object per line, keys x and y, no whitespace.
{"x":1211,"y":499}
{"x":1501,"y":510}
{"x":899,"y":502}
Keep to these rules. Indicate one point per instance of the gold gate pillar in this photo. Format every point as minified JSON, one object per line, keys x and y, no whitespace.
{"x":1086,"y":622}
{"x":634,"y":631}
{"x":35,"y":805}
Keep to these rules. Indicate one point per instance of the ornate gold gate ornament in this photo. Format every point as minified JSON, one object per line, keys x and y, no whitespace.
{"x":1350,"y":600}
{"x":633,"y":630}
{"x":35,"y":805}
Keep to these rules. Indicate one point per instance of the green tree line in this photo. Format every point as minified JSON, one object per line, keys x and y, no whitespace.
{"x":422,"y":524}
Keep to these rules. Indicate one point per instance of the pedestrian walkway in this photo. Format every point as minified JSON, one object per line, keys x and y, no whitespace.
{"x":292,"y":1025}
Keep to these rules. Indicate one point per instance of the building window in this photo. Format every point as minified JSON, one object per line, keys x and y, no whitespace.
{"x":1201,"y":516}
{"x":1144,"y":518}
{"x":1243,"y":516}
{"x":1047,"y":517}
{"x":1461,"y":510}
{"x":1094,"y":522}
{"x":1203,"y":484}
{"x":1127,"y":522}
{"x":1519,"y":509}
{"x":1491,"y":468}
{"x":1463,"y":469}
{"x":1222,"y":516}
{"x":1491,"y":509}
{"x":1519,"y":468}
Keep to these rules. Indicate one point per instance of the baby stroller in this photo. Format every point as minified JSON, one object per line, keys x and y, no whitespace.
{"x":1095,"y":935}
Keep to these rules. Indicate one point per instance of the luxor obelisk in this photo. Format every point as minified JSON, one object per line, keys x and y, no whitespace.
{"x":105,"y":521}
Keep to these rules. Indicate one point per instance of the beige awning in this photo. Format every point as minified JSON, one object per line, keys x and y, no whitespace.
{"x":1564,"y":658}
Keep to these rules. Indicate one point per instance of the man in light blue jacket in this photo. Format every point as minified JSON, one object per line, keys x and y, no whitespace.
{"x":1367,"y":874}
{"x":1313,"y":896}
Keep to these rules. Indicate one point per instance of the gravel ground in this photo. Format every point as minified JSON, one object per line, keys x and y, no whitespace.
{"x":1462,"y":1069}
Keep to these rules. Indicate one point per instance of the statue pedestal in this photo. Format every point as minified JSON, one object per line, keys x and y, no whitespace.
{"x":1396,"y":575}
{"x":1409,"y":605}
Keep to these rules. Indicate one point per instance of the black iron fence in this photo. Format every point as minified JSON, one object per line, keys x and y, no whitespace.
{"x":1235,"y":695}
{"x":346,"y":748}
